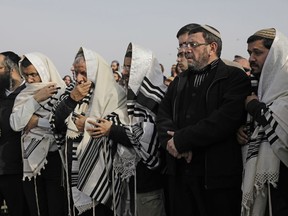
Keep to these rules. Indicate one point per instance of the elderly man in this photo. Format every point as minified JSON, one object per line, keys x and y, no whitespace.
{"x":266,"y":151}
{"x":200,"y":114}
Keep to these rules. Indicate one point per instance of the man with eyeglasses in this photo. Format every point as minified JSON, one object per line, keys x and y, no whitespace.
{"x":11,"y":172}
{"x":197,"y":122}
{"x":30,"y":115}
{"x":182,"y":36}
{"x":244,"y":63}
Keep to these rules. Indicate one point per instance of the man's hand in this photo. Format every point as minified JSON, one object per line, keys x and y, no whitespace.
{"x":45,"y":92}
{"x":173,"y":151}
{"x":171,"y":146}
{"x":101,"y":128}
{"x":187,"y":156}
{"x":80,"y":91}
{"x":79,"y":121}
{"x":250,"y":98}
{"x":242,"y":137}
{"x":33,"y":122}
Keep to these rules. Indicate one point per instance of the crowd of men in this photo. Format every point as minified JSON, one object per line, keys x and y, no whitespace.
{"x":212,"y":139}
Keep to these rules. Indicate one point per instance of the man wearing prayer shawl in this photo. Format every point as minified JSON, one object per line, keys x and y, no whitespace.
{"x":265,"y":183}
{"x":137,"y":159}
{"x":42,"y":167}
{"x":88,"y":161}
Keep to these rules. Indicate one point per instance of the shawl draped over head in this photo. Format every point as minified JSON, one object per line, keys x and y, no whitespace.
{"x":92,"y":161}
{"x":269,"y":145}
{"x":36,"y":144}
{"x":145,"y":91}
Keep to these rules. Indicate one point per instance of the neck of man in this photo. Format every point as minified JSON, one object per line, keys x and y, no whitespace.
{"x":15,"y":83}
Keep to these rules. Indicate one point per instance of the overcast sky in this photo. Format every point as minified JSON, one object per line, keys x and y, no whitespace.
{"x":58,"y":28}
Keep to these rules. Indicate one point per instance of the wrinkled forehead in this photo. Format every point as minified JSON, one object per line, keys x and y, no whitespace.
{"x":79,"y":64}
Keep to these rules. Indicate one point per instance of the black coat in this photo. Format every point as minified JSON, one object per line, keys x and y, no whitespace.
{"x":10,"y":141}
{"x":214,"y":134}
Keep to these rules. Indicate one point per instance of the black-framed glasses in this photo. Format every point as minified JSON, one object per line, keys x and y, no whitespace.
{"x":194,"y":44}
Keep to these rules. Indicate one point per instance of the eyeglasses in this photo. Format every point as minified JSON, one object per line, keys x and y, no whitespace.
{"x":32,"y":75}
{"x":193,"y":44}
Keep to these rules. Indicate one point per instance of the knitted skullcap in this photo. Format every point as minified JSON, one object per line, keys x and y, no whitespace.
{"x":212,"y":30}
{"x":266,"y":33}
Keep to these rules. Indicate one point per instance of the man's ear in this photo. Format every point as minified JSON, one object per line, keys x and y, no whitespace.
{"x":214,"y":47}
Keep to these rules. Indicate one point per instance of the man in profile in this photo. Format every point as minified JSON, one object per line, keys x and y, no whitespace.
{"x":11,"y":171}
{"x":266,"y":140}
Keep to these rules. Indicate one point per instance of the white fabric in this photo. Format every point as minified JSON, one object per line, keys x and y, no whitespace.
{"x":146,"y":83}
{"x":145,"y":91}
{"x":108,"y":97}
{"x":39,"y":140}
{"x":263,"y":169}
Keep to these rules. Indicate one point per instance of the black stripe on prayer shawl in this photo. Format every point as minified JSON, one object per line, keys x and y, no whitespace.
{"x":113,"y":117}
{"x":254,"y":145}
{"x":74,"y":173}
{"x":32,"y":145}
{"x":101,"y":191}
{"x":271,"y":134}
{"x":118,"y":187}
{"x":150,"y":96}
{"x":91,"y":155}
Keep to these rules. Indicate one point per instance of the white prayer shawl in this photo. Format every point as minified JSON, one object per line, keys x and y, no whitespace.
{"x":146,"y":89}
{"x":94,"y":156}
{"x":268,"y":145}
{"x":37,"y":142}
{"x":145,"y":92}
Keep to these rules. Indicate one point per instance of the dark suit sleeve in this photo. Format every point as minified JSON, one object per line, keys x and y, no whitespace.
{"x":164,"y":119}
{"x":62,"y":111}
{"x":222,"y":122}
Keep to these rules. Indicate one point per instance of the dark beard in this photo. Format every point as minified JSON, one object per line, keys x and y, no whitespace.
{"x":4,"y":83}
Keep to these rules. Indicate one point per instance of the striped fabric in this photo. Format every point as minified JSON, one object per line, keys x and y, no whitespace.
{"x":92,"y":158}
{"x":145,"y":92}
{"x":39,"y":140}
{"x":268,"y":145}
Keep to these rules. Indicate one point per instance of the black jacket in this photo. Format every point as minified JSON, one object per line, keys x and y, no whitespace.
{"x":215,"y":134}
{"x":10,"y":141}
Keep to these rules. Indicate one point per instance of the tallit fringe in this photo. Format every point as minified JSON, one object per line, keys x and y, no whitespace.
{"x":260,"y":186}
{"x":35,"y":173}
{"x":85,"y":208}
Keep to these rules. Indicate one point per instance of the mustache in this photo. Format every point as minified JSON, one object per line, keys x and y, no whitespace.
{"x":188,"y":55}
{"x":252,"y":64}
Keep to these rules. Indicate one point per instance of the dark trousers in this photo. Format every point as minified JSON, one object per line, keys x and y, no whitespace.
{"x":100,"y":210}
{"x":45,"y":194}
{"x":279,"y":195}
{"x":189,"y":197}
{"x":11,"y":189}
